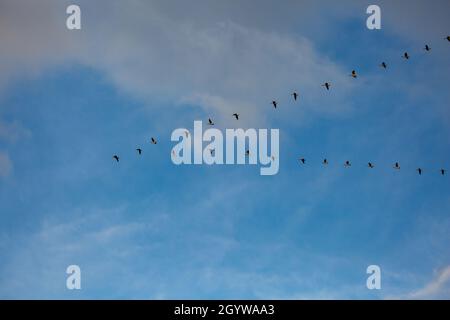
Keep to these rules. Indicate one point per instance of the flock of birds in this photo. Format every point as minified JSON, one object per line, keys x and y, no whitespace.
{"x":371,"y":165}
{"x":296,"y":95}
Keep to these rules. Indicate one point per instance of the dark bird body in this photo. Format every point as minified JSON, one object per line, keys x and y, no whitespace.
{"x":327,"y":85}
{"x":274,"y":103}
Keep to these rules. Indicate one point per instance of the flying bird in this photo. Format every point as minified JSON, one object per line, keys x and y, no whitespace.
{"x":347,"y":164}
{"x":327,"y":85}
{"x":427,"y":48}
{"x":139,"y":150}
{"x":210,"y":122}
{"x":370,"y":165}
{"x":397,"y":166}
{"x":406,"y":55}
{"x":325,"y":161}
{"x":236,"y":116}
{"x":115,"y":157}
{"x":419,"y":170}
{"x":295,"y":94}
{"x":302,"y":160}
{"x":383,"y":65}
{"x":443,"y":171}
{"x":274,"y":103}
{"x":353,"y":74}
{"x":153,"y":140}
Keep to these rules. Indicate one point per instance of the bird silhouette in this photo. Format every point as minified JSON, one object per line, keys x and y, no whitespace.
{"x":347,"y":164}
{"x":419,"y":170}
{"x":274,"y":103}
{"x":210,"y":122}
{"x":370,"y":165}
{"x":406,"y":55}
{"x":153,"y":140}
{"x":327,"y":85}
{"x":383,"y":65}
{"x":443,"y":171}
{"x":295,"y":94}
{"x":325,"y":161}
{"x":353,"y":74}
{"x":397,"y":166}
{"x":236,"y":116}
{"x":302,"y":160}
{"x":139,"y":150}
{"x":427,"y":48}
{"x":115,"y":157}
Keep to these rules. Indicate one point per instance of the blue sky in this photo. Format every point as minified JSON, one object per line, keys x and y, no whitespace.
{"x":145,"y":228}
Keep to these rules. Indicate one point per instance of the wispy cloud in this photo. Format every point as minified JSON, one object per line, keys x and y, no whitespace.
{"x":437,"y":288}
{"x":224,"y":63}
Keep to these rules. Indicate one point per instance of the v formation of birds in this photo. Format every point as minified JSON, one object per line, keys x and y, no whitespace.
{"x":296,"y":96}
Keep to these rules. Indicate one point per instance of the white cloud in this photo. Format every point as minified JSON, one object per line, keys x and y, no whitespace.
{"x":152,"y":53}
{"x":438,"y":287}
